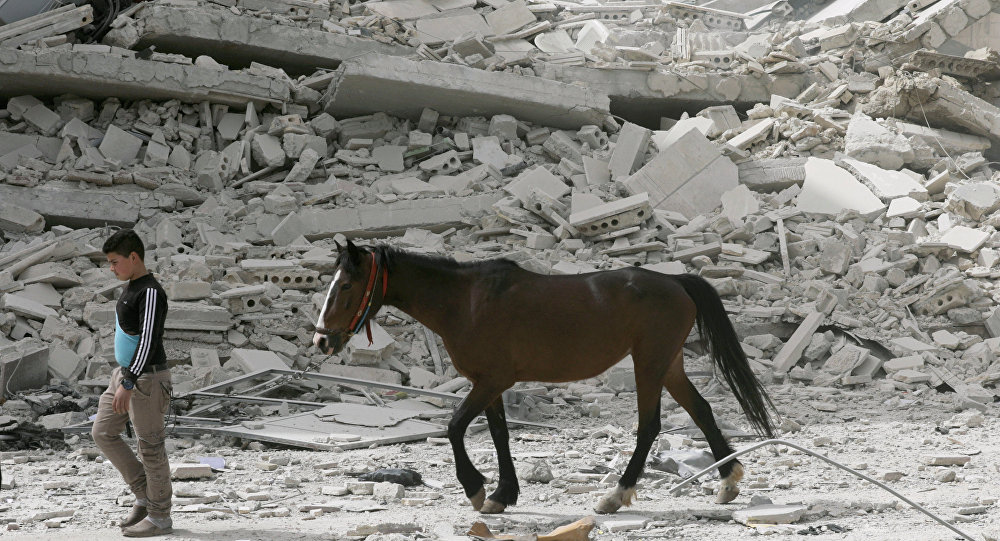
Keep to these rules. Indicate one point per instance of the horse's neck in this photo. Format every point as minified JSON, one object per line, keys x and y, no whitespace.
{"x":429,"y":293}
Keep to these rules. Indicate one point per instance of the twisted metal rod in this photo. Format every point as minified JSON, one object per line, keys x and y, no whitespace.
{"x":881,"y":485}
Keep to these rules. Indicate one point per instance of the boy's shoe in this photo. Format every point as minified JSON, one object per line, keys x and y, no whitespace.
{"x":146,"y":528}
{"x":137,"y":513}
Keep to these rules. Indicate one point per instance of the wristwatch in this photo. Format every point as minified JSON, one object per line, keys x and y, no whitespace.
{"x":128,"y":384}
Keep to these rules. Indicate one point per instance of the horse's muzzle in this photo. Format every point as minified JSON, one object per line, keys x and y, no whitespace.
{"x":329,"y":344}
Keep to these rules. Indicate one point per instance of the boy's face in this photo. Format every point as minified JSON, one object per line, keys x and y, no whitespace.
{"x":123,"y":266}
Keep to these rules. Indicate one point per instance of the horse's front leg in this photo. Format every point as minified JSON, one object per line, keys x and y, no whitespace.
{"x":471,"y":406}
{"x":507,"y":487}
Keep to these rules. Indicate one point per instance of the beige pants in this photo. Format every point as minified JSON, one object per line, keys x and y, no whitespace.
{"x":149,"y":479}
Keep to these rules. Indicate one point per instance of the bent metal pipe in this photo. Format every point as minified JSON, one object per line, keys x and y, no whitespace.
{"x":755,"y":446}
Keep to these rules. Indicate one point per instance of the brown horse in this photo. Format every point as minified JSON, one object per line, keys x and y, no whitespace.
{"x":502,"y":324}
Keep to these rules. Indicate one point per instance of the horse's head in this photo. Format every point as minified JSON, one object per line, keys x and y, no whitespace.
{"x":348,"y":303}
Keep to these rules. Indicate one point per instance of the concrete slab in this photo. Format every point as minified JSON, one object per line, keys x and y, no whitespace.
{"x":537,"y":178}
{"x":770,"y":514}
{"x":403,"y":88}
{"x":25,"y":307}
{"x":450,"y":26}
{"x":253,"y":360}
{"x":300,"y":430}
{"x":23,"y":365}
{"x":66,"y":204}
{"x":965,"y":239}
{"x":236,"y":40}
{"x":828,"y":190}
{"x":886,"y":185}
{"x":689,"y":176}
{"x":630,"y":150}
{"x":510,"y":17}
{"x":18,"y":219}
{"x":367,"y":221}
{"x":53,"y":72}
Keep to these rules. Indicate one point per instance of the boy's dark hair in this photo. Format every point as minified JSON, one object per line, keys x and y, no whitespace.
{"x":123,"y":243}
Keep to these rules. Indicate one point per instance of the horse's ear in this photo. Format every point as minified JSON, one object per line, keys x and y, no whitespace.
{"x":353,"y":252}
{"x":339,"y":247}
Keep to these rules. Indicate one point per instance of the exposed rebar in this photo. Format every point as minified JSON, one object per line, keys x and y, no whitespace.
{"x":828,"y":460}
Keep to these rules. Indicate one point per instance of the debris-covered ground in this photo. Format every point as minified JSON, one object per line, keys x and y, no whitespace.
{"x":829,"y":166}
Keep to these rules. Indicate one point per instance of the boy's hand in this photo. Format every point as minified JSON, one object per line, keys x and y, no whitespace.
{"x":121,"y":401}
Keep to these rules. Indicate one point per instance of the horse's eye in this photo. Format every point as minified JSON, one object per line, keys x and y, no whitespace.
{"x":345,"y":287}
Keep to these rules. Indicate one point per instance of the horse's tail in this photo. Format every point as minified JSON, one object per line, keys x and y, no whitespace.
{"x":727,"y":353}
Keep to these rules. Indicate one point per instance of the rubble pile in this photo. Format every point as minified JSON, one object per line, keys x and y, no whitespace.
{"x":829,"y":169}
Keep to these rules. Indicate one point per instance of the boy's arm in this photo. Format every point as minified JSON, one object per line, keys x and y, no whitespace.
{"x":152,"y":330}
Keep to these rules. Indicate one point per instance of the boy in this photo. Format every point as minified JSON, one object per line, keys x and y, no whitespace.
{"x":139,"y":390}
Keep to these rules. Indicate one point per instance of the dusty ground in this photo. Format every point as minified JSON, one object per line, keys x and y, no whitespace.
{"x":876,"y":430}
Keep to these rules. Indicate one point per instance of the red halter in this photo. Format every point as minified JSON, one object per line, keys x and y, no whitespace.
{"x":361,"y":317}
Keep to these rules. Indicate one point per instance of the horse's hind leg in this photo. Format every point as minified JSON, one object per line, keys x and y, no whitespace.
{"x":685,"y":393}
{"x":648,"y":395}
{"x":507,"y":487}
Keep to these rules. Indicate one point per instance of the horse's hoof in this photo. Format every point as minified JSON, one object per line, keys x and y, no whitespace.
{"x":727,"y":494}
{"x":478,"y":498}
{"x":614,"y":500}
{"x":608,"y":504}
{"x":492,"y":507}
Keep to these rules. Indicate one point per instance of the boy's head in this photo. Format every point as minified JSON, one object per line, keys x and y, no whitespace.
{"x":125,"y":253}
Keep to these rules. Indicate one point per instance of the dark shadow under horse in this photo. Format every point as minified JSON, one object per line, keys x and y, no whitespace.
{"x":502,"y":324}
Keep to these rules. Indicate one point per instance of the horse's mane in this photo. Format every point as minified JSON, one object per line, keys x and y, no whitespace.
{"x":391,"y":255}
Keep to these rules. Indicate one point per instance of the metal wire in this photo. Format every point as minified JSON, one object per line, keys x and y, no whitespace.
{"x":881,"y":485}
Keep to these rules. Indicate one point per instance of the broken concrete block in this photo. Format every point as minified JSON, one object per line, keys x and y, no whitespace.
{"x":23,"y":365}
{"x":945,"y":460}
{"x":738,"y":203}
{"x":188,"y":290}
{"x":613,"y":216}
{"x":253,"y":360}
{"x":689,"y":176}
{"x":903,"y":207}
{"x":886,"y":185}
{"x":870,"y":142}
{"x":753,"y":134}
{"x":25,"y":307}
{"x":510,"y":17}
{"x":630,"y":149}
{"x":828,"y":190}
{"x":974,"y":200}
{"x":908,"y":375}
{"x":536,"y":178}
{"x":487,"y":150}
{"x":304,"y":167}
{"x":835,"y":256}
{"x":443,"y":164}
{"x":503,"y":127}
{"x":191,"y":471}
{"x":43,"y":119}
{"x":18,"y":219}
{"x":389,"y":158}
{"x":56,"y":421}
{"x":770,"y":514}
{"x":791,"y":352}
{"x":267,"y":150}
{"x":120,"y":146}
{"x":965,"y":239}
{"x":592,"y":33}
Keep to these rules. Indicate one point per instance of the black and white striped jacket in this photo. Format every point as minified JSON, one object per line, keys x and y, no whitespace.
{"x":142,"y":310}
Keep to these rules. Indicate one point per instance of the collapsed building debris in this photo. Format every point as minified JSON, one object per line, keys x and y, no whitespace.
{"x":830,"y":169}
